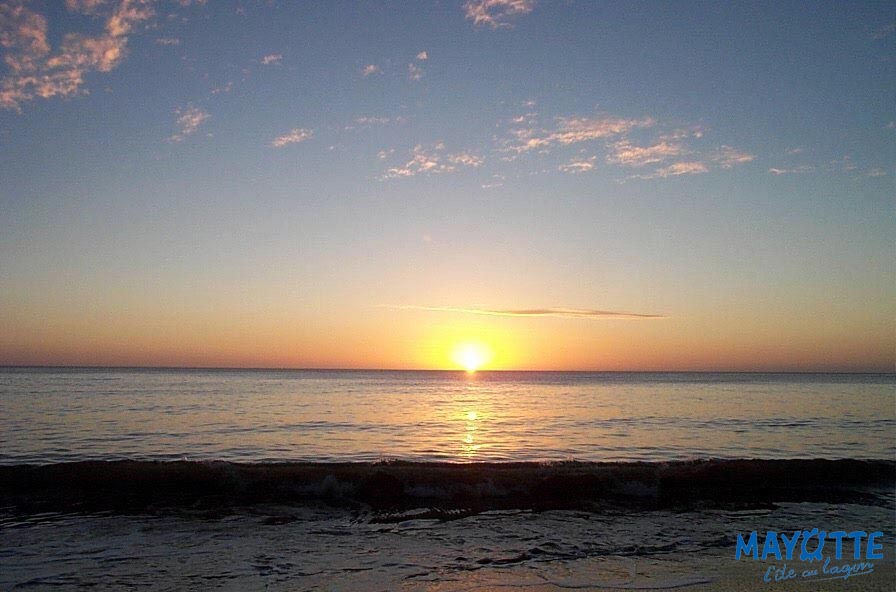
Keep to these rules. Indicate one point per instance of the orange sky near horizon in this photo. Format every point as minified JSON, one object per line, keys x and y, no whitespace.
{"x":404,"y":339}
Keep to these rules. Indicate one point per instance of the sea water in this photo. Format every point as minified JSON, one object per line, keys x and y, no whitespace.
{"x":54,"y":415}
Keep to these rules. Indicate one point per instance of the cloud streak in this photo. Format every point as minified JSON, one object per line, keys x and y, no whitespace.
{"x":294,"y":136}
{"x":432,"y":161}
{"x":577,"y":165}
{"x":664,"y":153}
{"x":368,"y":121}
{"x":626,"y":154}
{"x":676,"y":170}
{"x":574,"y":313}
{"x":794,"y":170}
{"x":188,"y":121}
{"x":370,"y":70}
{"x":571,"y":130}
{"x":415,"y":72}
{"x":496,"y":14}
{"x":727,"y":157}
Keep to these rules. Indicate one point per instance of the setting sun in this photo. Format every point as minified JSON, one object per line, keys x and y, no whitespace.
{"x":472,"y":356}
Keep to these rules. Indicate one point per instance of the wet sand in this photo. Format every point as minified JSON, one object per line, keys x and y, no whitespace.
{"x":289,"y":548}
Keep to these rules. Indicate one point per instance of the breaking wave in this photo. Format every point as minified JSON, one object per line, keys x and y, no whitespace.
{"x":447,"y":490}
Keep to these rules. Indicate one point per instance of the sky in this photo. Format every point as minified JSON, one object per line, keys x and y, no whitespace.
{"x":548,"y":185}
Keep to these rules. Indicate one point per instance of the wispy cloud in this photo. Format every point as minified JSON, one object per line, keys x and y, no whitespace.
{"x":570,"y":130}
{"x":844,"y":164}
{"x":423,"y":56}
{"x":294,"y":136}
{"x":626,"y":154}
{"x":726,"y":157}
{"x":794,"y":170}
{"x":675,"y":170}
{"x":681,"y":168}
{"x":668,"y":152}
{"x":85,"y":6}
{"x":679,"y":134}
{"x":371,"y":121}
{"x":35,"y":71}
{"x":497,"y":181}
{"x":677,"y":146}
{"x":496,"y":13}
{"x":272,"y":59}
{"x":466,"y":159}
{"x":526,"y":118}
{"x":370,"y":70}
{"x":531,"y":312}
{"x":433,"y":161}
{"x":226,"y":88}
{"x":188,"y":121}
{"x":578,"y":165}
{"x":415,"y":72}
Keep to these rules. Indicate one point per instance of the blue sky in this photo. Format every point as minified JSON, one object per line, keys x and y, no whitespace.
{"x":235,"y":168}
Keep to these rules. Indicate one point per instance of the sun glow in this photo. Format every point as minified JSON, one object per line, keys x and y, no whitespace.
{"x":472,"y":356}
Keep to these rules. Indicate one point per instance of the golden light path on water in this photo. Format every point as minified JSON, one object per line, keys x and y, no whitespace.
{"x":469,"y":445}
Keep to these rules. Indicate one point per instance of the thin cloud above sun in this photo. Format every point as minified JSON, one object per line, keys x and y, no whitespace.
{"x":574,"y":313}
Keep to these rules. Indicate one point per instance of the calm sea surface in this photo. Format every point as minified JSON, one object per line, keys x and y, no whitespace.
{"x":52,"y":415}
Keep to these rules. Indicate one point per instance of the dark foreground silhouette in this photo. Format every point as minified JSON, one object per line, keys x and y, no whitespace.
{"x":448,"y":489}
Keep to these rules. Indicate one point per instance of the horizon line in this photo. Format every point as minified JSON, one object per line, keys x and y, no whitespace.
{"x":455,"y":370}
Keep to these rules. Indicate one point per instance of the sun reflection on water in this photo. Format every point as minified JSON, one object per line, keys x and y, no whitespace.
{"x":468,"y":446}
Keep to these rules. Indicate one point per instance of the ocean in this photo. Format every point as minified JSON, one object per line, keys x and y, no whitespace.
{"x":56,"y":415}
{"x":193,"y":479}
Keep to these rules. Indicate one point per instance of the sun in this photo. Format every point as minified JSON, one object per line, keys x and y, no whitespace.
{"x":472,"y":356}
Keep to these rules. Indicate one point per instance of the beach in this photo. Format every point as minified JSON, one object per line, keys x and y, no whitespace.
{"x":333,"y":544}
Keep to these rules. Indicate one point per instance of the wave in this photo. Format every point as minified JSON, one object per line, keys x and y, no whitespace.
{"x":447,"y":490}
